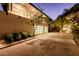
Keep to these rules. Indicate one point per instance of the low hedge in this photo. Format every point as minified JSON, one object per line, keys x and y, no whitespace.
{"x":30,"y":35}
{"x":16,"y":36}
{"x":8,"y":38}
{"x":24,"y":35}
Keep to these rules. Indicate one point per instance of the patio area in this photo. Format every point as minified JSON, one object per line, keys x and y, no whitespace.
{"x":51,"y":44}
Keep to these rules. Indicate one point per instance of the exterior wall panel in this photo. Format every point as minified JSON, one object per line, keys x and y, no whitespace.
{"x":12,"y":23}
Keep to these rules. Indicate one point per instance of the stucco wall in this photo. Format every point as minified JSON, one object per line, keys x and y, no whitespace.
{"x":11,"y":23}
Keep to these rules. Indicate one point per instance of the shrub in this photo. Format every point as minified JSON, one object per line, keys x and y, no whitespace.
{"x":30,"y":35}
{"x":16,"y":36}
{"x":24,"y":35}
{"x":8,"y":38}
{"x":75,"y":31}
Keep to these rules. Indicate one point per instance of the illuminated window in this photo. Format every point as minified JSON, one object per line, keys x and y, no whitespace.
{"x":39,"y":29}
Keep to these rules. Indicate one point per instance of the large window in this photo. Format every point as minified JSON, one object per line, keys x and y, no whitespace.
{"x":39,"y":29}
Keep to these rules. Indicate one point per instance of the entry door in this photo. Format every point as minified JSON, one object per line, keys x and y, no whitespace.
{"x":39,"y":29}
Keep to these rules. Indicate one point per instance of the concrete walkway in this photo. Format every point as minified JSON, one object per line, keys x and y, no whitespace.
{"x":47,"y":44}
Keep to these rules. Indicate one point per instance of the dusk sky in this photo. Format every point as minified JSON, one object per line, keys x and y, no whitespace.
{"x":54,"y":9}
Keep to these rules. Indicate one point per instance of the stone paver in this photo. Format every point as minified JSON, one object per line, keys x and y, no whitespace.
{"x":46,"y":44}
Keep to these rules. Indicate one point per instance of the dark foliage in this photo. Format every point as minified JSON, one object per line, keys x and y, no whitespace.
{"x":73,"y":9}
{"x":16,"y":36}
{"x":56,"y":29}
{"x":8,"y":38}
{"x":24,"y":35}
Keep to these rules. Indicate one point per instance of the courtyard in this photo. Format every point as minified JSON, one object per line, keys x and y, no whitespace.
{"x":50,"y":44}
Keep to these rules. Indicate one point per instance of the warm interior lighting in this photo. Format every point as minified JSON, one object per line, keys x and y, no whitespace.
{"x":40,"y":29}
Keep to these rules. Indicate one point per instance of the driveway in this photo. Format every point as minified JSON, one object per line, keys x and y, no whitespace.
{"x":50,"y":44}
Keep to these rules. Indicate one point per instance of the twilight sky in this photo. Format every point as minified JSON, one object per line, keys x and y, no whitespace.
{"x":53,"y":9}
{"x":0,"y":7}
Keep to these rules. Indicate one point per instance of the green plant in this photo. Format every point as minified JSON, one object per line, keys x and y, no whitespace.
{"x":75,"y":31}
{"x":30,"y":35}
{"x":16,"y":36}
{"x":24,"y":35}
{"x":8,"y":38}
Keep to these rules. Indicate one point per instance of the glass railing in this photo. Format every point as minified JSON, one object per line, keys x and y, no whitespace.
{"x":23,"y":13}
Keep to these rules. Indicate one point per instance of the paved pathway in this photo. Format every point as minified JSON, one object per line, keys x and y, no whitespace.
{"x":47,"y":44}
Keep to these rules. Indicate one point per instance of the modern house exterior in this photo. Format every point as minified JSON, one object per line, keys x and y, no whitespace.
{"x":23,"y":17}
